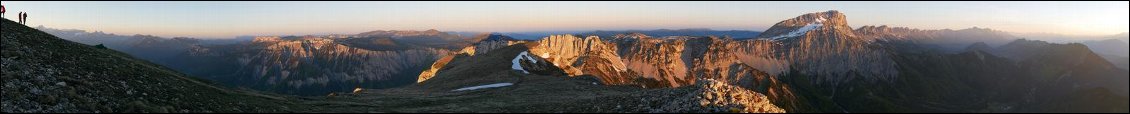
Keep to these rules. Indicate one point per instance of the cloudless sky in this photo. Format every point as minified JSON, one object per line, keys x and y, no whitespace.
{"x":214,"y":19}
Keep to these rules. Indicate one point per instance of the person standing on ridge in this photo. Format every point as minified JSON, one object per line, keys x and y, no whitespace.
{"x":3,"y":10}
{"x":23,"y":17}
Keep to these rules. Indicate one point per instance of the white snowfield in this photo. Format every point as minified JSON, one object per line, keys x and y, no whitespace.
{"x":802,"y":30}
{"x":518,"y":66}
{"x":484,"y":86}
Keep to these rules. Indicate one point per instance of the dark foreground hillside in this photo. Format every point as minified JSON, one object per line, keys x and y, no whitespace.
{"x":42,"y":73}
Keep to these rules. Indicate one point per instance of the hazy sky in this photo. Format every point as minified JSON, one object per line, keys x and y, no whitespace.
{"x":230,"y":19}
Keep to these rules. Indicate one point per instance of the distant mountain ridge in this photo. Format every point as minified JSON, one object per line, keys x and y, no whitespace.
{"x":148,"y":47}
{"x":1114,"y":47}
{"x":736,"y":34}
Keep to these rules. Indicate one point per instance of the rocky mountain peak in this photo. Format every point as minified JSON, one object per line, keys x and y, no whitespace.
{"x":823,"y":44}
{"x":831,"y":21}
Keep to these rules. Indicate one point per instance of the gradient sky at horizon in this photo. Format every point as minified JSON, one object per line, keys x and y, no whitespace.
{"x":215,"y":19}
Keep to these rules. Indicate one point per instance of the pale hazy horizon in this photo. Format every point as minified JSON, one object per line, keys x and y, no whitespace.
{"x":231,"y":19}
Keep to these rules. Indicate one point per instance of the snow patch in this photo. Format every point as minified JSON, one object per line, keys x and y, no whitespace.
{"x":484,"y":86}
{"x":819,"y":22}
{"x":518,"y":64}
{"x":799,"y":31}
{"x":357,"y":90}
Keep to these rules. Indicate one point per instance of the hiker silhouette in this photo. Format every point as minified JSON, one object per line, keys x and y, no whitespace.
{"x":3,"y":10}
{"x":21,"y":16}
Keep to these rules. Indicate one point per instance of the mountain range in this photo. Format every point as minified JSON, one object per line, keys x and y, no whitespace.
{"x":811,"y":63}
{"x":816,"y":63}
{"x":44,"y":73}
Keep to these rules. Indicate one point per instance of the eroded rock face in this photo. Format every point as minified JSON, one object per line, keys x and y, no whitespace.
{"x":587,"y":56}
{"x":657,"y":59}
{"x":830,"y":50}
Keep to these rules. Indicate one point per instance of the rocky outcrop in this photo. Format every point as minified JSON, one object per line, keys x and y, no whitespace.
{"x":709,"y":96}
